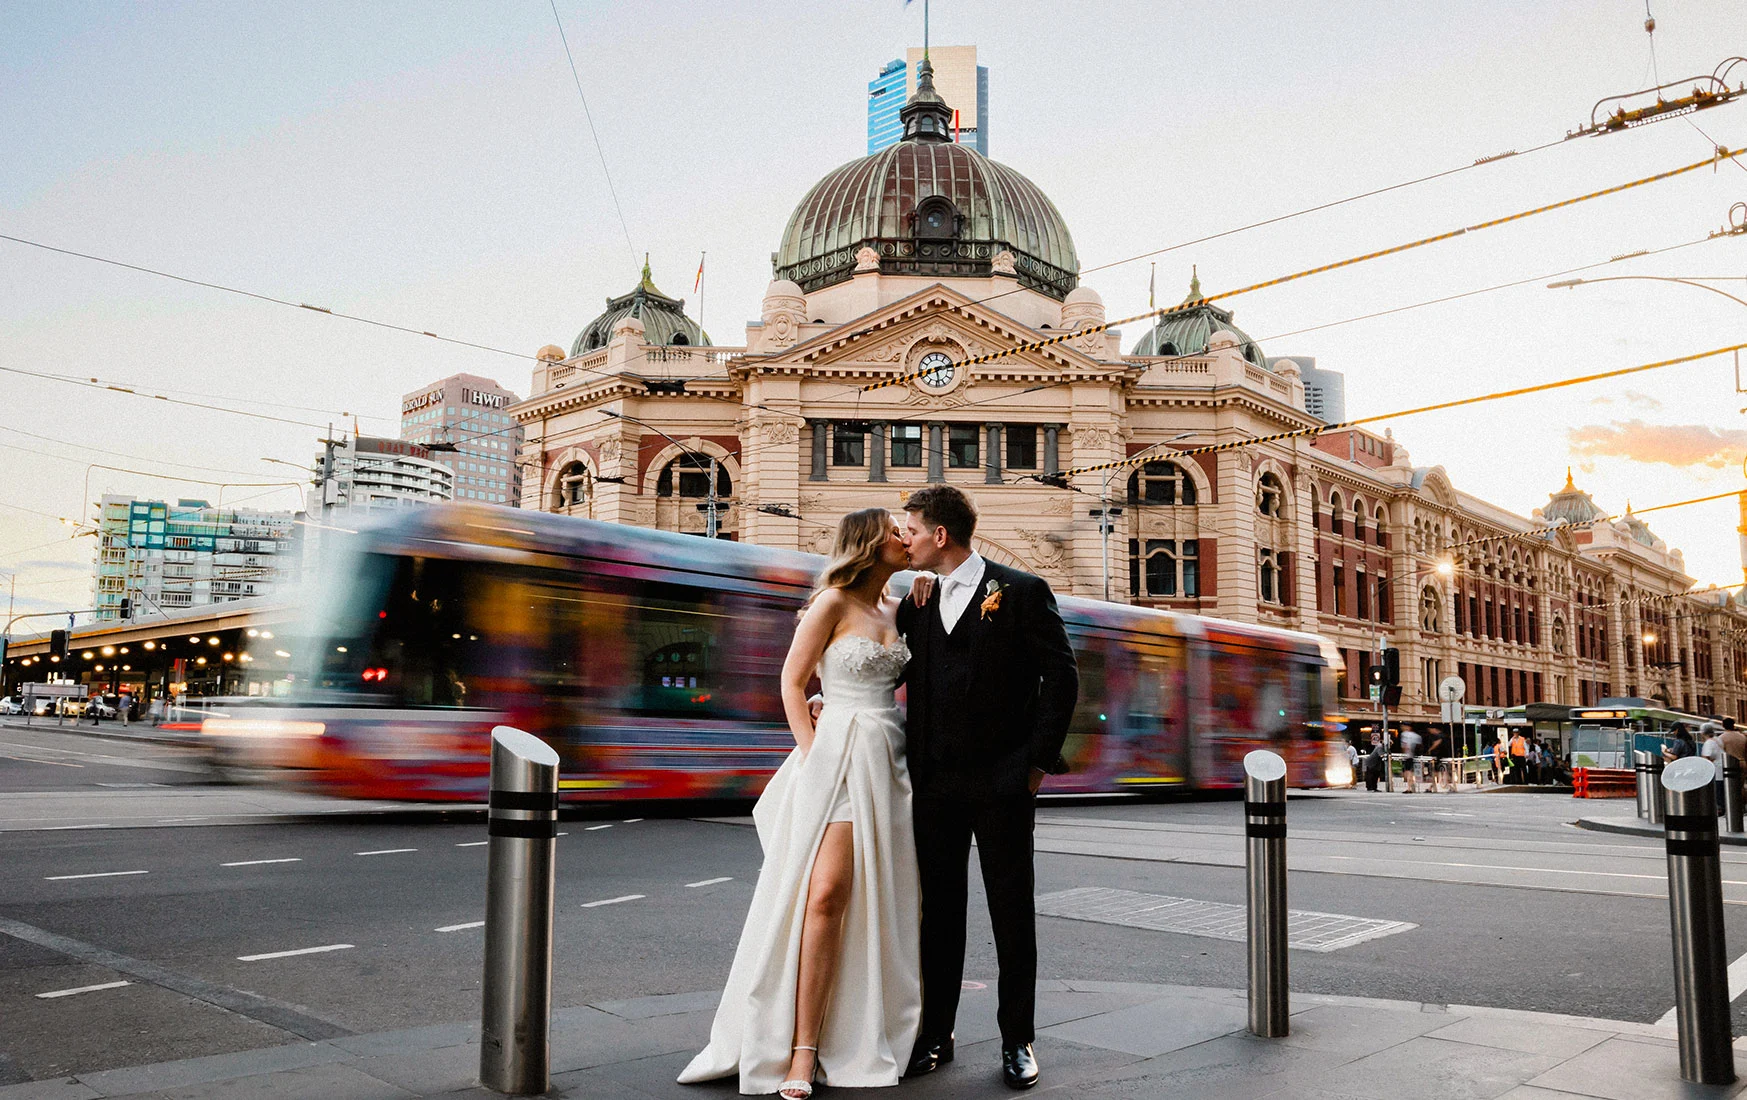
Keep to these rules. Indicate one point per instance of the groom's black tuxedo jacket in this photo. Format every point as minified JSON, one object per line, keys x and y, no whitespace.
{"x":992,"y":699}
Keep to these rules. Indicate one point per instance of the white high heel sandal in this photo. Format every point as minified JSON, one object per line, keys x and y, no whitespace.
{"x":799,"y":1089}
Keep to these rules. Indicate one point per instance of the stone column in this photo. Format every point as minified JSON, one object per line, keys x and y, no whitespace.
{"x":1237,"y":538}
{"x":1052,"y":461}
{"x":1303,"y":536}
{"x":936,"y":456}
{"x":1687,"y":689}
{"x":876,"y":451}
{"x":1617,"y":641}
{"x":820,"y":434}
{"x":772,"y":461}
{"x":993,"y":456}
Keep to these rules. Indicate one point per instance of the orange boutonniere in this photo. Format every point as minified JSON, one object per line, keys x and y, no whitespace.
{"x":991,"y":599}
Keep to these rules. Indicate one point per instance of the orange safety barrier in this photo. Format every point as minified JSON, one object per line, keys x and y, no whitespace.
{"x":1604,"y":782}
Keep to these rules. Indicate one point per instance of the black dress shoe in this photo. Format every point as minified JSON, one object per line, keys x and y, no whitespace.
{"x":1018,"y":1066}
{"x":929,"y":1055}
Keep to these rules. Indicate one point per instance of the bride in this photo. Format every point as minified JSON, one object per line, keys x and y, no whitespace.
{"x":826,"y":982}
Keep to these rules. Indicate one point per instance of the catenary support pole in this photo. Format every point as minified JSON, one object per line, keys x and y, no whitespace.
{"x":1695,"y":907}
{"x":1265,"y":860}
{"x":1732,"y":792}
{"x":516,"y":1019}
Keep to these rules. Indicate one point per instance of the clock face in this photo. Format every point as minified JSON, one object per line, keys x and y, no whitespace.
{"x":935,"y":369}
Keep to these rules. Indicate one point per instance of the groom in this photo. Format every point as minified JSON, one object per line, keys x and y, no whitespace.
{"x":991,"y":687}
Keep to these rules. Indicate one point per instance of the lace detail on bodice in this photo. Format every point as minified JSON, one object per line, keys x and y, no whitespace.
{"x":860,"y":672}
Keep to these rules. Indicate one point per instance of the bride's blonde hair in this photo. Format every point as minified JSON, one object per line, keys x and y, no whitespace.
{"x":856,"y":550}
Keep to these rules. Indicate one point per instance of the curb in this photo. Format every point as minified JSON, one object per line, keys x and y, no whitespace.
{"x":1645,"y":829}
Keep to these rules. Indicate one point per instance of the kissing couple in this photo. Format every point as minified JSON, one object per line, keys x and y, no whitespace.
{"x":850,"y":964}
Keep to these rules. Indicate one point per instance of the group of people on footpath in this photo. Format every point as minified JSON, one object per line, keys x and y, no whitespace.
{"x":1427,"y":762}
{"x":1522,"y":758}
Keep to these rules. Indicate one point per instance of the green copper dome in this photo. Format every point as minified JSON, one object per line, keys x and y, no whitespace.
{"x":927,"y":206}
{"x":1571,"y":505}
{"x":664,"y":319}
{"x":1187,"y":333}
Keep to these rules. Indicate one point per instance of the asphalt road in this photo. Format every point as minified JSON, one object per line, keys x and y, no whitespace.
{"x":1510,"y":905}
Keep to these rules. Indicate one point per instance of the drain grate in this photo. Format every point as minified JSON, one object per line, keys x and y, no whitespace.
{"x":1305,"y":930}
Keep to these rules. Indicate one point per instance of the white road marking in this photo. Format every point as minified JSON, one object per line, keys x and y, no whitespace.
{"x":130,"y":786}
{"x":64,"y":828}
{"x":631,"y":820}
{"x":32,"y":760}
{"x":1506,"y":867}
{"x":385,"y":852}
{"x":299,"y":951}
{"x":710,"y":881}
{"x":98,"y":874}
{"x":258,"y":862}
{"x":80,"y":989}
{"x":593,"y":828}
{"x":472,"y":843}
{"x":462,"y":927}
{"x":611,"y":901}
{"x":563,"y":834}
{"x":1737,"y":986}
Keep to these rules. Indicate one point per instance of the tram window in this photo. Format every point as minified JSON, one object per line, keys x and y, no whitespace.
{"x":673,"y":651}
{"x":1091,"y":715}
{"x":411,"y":631}
{"x":1252,"y":695}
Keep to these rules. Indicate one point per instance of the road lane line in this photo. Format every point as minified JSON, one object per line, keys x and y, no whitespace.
{"x":593,"y":828}
{"x":1737,"y":986}
{"x":64,"y":828}
{"x":709,"y":882}
{"x":631,"y":820}
{"x":612,"y":901}
{"x":258,"y":862}
{"x":97,"y":874}
{"x":31,"y":760}
{"x":299,"y":951}
{"x":462,"y":927}
{"x":80,"y":989}
{"x":472,"y":843}
{"x":1503,"y":867}
{"x":385,"y":852}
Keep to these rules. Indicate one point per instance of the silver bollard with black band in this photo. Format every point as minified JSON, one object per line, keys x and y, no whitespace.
{"x":515,"y":1028}
{"x":1654,"y":782}
{"x":1732,"y":793}
{"x":1695,"y":907}
{"x":1265,"y":860}
{"x":1641,"y":766}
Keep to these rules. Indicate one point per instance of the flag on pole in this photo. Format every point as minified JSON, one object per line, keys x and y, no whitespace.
{"x":1150,"y":280}
{"x":699,"y":281}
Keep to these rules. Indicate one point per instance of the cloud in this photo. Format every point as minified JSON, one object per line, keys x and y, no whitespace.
{"x":45,"y":565}
{"x":1667,"y":444}
{"x":1631,"y":397}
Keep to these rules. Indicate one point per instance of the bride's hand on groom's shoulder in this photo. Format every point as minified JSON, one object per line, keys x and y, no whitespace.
{"x":921,"y":588}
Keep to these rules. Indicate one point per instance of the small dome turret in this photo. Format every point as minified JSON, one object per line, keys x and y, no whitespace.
{"x":663,"y":319}
{"x":1188,"y":332}
{"x":1571,"y":505}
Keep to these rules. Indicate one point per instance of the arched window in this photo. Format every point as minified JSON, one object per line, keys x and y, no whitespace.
{"x":1161,"y":483}
{"x":1334,"y":513}
{"x":1270,"y":576}
{"x":1270,"y":497}
{"x":693,"y":473}
{"x":680,"y":338}
{"x":936,"y":217}
{"x":1431,"y":610}
{"x":1358,"y":519}
{"x":1382,"y":526}
{"x":572,"y":488}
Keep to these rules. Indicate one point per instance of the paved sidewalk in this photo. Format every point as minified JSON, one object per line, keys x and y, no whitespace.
{"x":1638,"y":826}
{"x":1097,"y":1039}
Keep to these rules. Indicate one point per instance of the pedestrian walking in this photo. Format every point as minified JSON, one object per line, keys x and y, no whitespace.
{"x":1410,"y":763}
{"x":1519,"y":754}
{"x":1374,"y":764}
{"x":1356,"y":763}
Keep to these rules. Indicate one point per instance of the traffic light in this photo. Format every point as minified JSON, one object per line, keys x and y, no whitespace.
{"x":1375,"y":674}
{"x":126,"y":608}
{"x":1391,"y":667}
{"x":57,"y":643}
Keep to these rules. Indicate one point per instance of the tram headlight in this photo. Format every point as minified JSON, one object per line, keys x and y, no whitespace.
{"x":1339,"y":773}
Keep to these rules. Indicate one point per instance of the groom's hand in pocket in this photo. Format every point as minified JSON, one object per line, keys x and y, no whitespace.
{"x":1037,"y":775}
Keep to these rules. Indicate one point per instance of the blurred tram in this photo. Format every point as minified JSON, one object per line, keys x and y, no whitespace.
{"x":650,"y":661}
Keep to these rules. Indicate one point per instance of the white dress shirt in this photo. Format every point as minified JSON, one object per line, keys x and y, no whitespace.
{"x":958,"y":590}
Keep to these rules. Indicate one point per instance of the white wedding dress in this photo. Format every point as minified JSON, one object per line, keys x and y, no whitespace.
{"x":855,"y":771}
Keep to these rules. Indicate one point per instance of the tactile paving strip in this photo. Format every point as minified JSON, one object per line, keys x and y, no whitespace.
{"x":1305,"y":930}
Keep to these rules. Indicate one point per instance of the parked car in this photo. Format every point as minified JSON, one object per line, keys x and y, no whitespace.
{"x":12,"y":704}
{"x":101,"y":709}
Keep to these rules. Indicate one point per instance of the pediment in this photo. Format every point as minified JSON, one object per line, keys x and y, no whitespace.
{"x":882,"y":343}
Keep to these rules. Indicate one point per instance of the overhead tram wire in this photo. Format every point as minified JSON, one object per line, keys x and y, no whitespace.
{"x":589,"y":115}
{"x":1323,"y":429}
{"x":271,"y":299}
{"x":1492,"y":223}
{"x":115,"y":454}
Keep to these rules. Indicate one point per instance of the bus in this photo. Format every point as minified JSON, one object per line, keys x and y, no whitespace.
{"x":650,"y":662}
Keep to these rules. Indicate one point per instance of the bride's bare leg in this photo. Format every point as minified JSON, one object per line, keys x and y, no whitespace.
{"x":821,"y":936}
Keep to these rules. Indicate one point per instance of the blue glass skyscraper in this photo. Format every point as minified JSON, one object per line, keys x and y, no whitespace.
{"x":885,"y":97}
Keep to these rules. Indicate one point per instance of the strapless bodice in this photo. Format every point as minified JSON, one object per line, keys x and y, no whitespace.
{"x":858,"y":672}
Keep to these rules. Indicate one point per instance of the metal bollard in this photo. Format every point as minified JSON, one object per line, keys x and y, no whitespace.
{"x":1695,"y":908}
{"x":1654,"y":783}
{"x":1641,"y":763}
{"x":1265,"y":859}
{"x":515,"y":1027}
{"x":1732,"y":792}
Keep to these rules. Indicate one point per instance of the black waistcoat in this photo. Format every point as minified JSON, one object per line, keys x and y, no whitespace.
{"x":950,"y":681}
